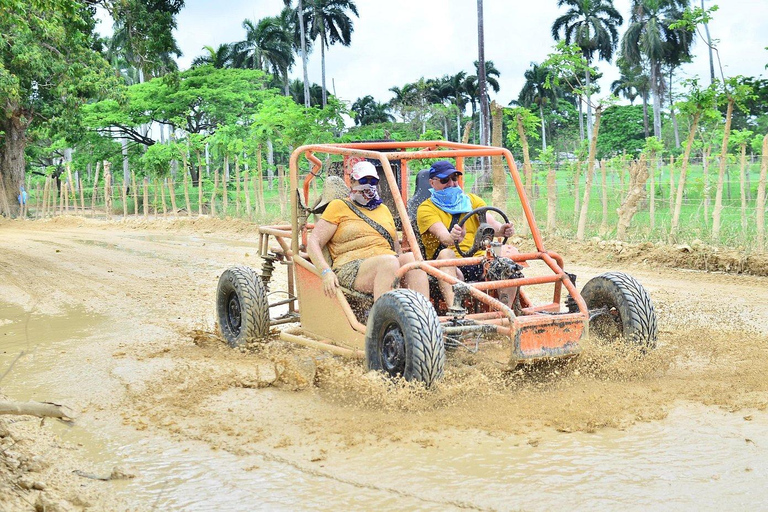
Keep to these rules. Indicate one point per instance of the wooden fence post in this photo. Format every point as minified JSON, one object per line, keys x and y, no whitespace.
{"x":224,"y":183}
{"x":124,"y":190}
{"x":213,"y":193}
{"x":162,"y":196}
{"x":93,"y":192}
{"x":107,"y":190}
{"x":146,"y":197}
{"x":135,"y":194}
{"x":199,"y":194}
{"x":82,"y":198}
{"x":172,"y":193}
{"x":186,"y":193}
{"x":237,"y":192}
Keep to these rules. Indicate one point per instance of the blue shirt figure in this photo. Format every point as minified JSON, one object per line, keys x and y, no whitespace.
{"x":22,"y":197}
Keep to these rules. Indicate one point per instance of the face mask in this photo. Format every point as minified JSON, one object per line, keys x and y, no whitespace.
{"x":366,"y":196}
{"x":451,"y":200}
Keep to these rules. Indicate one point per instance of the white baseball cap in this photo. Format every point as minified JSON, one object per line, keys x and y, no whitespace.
{"x":363,"y":168}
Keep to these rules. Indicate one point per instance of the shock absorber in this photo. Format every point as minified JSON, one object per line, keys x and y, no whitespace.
{"x":267,"y":268}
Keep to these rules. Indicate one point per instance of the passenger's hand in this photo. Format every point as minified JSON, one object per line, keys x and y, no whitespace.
{"x":506,"y":230}
{"x":330,"y":283}
{"x":458,"y":233}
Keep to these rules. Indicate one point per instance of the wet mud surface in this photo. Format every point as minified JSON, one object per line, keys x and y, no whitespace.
{"x":116,"y":320}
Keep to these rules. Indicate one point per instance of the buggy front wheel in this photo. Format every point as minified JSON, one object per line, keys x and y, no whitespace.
{"x":242,"y":309}
{"x":403,"y":337}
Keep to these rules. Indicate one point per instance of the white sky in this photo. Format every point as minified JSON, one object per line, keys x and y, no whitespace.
{"x":399,"y":41}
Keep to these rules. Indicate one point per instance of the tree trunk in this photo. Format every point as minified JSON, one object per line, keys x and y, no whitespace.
{"x":588,"y":81}
{"x":581,"y":119}
{"x":13,"y":164}
{"x":760,"y":212}
{"x":672,"y":111}
{"x":656,"y":93}
{"x":716,"y":214}
{"x":671,"y":182}
{"x":683,"y":171}
{"x":638,"y":176}
{"x":322,"y":63}
{"x":652,"y":172}
{"x":303,"y":35}
{"x":705,"y":177}
{"x":260,"y":185}
{"x":645,"y":116}
{"x":543,"y":129}
{"x":481,"y":78}
{"x":590,"y":172}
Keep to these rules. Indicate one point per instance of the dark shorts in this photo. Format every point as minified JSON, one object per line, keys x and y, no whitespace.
{"x":347,"y":273}
{"x":472,"y":272}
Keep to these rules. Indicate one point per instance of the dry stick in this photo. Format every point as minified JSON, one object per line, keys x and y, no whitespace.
{"x":186,"y":191}
{"x":652,"y":176}
{"x":672,"y":193}
{"x":213,"y":193}
{"x":256,"y":197}
{"x":37,"y":196}
{"x":576,"y":188}
{"x":39,"y":409}
{"x":124,"y":190}
{"x":742,"y":189}
{"x":162,"y":196}
{"x":65,"y":192}
{"x":581,"y":228}
{"x":46,"y":190}
{"x":760,"y":214}
{"x":246,"y":187}
{"x":527,"y":168}
{"x":71,"y":186}
{"x":259,"y":177}
{"x":716,"y":213}
{"x":199,"y":193}
{"x":107,"y":192}
{"x":683,"y":172}
{"x":281,"y":189}
{"x":237,"y":192}
{"x":135,"y":194}
{"x":604,"y":184}
{"x":705,"y":176}
{"x":146,"y":197}
{"x":82,"y":198}
{"x":93,"y":194}
{"x":224,"y":182}
{"x":172,"y":193}
{"x":551,"y":198}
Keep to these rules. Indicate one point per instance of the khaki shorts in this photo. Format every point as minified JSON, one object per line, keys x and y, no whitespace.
{"x":347,"y":273}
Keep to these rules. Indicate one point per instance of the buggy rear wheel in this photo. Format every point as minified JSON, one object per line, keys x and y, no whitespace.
{"x":404,"y":338}
{"x":619,"y":307}
{"x":242,"y":310}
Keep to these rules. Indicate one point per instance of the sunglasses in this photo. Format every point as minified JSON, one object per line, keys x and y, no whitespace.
{"x":452,"y":177}
{"x":368,"y":180}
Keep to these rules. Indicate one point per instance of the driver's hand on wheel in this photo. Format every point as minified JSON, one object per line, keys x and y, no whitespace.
{"x":506,"y":230}
{"x":330,"y":282}
{"x":458,"y":233}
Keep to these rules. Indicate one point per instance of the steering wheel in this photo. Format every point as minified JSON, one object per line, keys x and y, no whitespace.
{"x":484,"y":232}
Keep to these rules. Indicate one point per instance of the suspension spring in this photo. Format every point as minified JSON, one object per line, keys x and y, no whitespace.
{"x":267,"y":268}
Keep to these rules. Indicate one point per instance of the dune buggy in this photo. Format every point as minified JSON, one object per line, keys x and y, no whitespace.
{"x":403,"y":333}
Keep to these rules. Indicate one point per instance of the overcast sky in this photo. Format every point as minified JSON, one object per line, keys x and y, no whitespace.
{"x":398,"y":41}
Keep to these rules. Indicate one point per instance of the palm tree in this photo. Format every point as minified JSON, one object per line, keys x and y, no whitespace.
{"x":369,"y":111}
{"x":296,"y":89}
{"x":633,"y":82}
{"x":220,"y":57}
{"x":328,"y":21}
{"x":267,"y":46}
{"x":303,"y":39}
{"x":650,"y":39}
{"x":472,"y":84}
{"x":482,"y":86}
{"x":455,"y":87}
{"x":591,"y":25}
{"x":535,"y":92}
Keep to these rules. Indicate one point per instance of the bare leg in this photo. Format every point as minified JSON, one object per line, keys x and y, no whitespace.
{"x":445,"y":287}
{"x":377,"y":275}
{"x":415,"y":279}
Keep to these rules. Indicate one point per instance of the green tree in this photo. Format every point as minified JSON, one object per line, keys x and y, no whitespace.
{"x":369,"y":111}
{"x":299,"y":24}
{"x":48,"y":68}
{"x":329,"y":21}
{"x":220,"y":57}
{"x":590,"y":25}
{"x":622,"y":130}
{"x":651,"y":38}
{"x":267,"y":46}
{"x":536,"y":92}
{"x":633,"y":82}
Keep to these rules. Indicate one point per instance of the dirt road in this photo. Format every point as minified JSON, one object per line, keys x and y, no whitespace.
{"x":116,"y":320}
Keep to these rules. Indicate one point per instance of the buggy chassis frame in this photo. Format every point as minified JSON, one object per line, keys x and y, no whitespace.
{"x":535,"y":332}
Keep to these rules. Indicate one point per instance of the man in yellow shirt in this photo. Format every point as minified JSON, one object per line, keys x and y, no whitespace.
{"x":437,"y":218}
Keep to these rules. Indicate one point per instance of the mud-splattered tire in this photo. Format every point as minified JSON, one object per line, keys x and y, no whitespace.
{"x":403,"y":337}
{"x":242,"y":309}
{"x":619,"y":307}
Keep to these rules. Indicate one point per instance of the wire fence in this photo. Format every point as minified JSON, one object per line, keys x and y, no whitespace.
{"x":266,"y":199}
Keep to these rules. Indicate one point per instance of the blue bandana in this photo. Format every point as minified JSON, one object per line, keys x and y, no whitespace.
{"x":451,"y":200}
